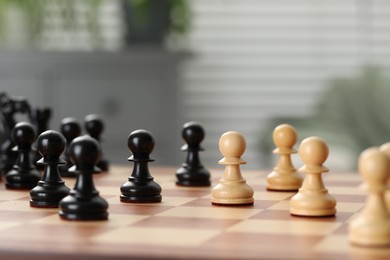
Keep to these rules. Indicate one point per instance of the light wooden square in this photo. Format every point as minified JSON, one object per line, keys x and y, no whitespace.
{"x":156,"y":236}
{"x":114,"y":220}
{"x":285,"y":227}
{"x":211,"y":212}
{"x":166,"y":201}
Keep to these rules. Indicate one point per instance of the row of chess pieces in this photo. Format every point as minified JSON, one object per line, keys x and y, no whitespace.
{"x":83,"y":155}
{"x":371,"y":227}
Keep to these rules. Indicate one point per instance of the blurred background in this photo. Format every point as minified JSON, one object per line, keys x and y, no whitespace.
{"x":244,"y":65}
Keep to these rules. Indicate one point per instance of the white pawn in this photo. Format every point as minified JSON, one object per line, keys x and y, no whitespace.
{"x":372,"y":226}
{"x":232,"y":189}
{"x":284,"y":176}
{"x":313,"y":199}
{"x":386,"y":149}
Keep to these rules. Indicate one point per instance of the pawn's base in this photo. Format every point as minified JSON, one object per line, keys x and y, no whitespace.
{"x":367,"y":234}
{"x":141,"y":199}
{"x":291,"y":181}
{"x":85,"y":209}
{"x":308,"y":203}
{"x":232,"y":202}
{"x":83,"y":217}
{"x":48,"y":195}
{"x":313,"y":213}
{"x":44,"y":204}
{"x":135,"y":191}
{"x":22,"y":181}
{"x":193,"y":177}
{"x":232,"y":193}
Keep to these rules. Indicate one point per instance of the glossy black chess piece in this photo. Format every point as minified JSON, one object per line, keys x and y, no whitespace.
{"x":192,"y":172}
{"x":9,"y":108}
{"x":83,"y":201}
{"x":40,"y":119}
{"x":71,"y":129}
{"x":24,"y":174}
{"x":94,"y":126}
{"x":140,"y":187}
{"x":51,"y":188}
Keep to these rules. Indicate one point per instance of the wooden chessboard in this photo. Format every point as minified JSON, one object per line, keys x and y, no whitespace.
{"x":185,"y":224}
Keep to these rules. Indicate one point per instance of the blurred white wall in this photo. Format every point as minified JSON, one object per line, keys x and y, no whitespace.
{"x":257,"y":59}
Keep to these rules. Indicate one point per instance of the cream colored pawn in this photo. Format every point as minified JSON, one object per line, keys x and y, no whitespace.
{"x":372,"y":226}
{"x":232,"y":189}
{"x":386,"y":149}
{"x":284,"y":176}
{"x":313,"y":199}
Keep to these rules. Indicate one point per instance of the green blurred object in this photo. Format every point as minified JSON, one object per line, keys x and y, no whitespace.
{"x":353,"y":113}
{"x":147,"y":21}
{"x":34,"y":12}
{"x":150,"y":21}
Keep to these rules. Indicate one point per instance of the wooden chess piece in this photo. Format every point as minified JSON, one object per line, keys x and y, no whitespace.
{"x":313,"y":199}
{"x":83,"y":201}
{"x":372,"y":226}
{"x":284,"y":177}
{"x":232,"y":189}
{"x":71,"y":129}
{"x":51,"y":188}
{"x":140,"y":187}
{"x":24,"y":174}
{"x":192,"y":172}
{"x":386,"y":149}
{"x":94,"y":126}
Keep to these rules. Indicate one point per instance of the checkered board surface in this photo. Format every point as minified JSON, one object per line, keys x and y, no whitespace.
{"x":185,"y":224}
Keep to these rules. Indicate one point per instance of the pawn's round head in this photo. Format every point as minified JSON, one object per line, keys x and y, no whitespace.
{"x":313,"y":151}
{"x":374,"y":166}
{"x":284,"y":136}
{"x":94,"y":125}
{"x":232,"y":144}
{"x":23,"y":133}
{"x":141,"y":144}
{"x":385,"y":148}
{"x":70,"y":128}
{"x":84,"y":151}
{"x":193,"y":133}
{"x":51,"y":143}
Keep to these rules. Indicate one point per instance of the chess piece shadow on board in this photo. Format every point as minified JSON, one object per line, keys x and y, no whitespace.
{"x":313,"y":199}
{"x":140,"y":187}
{"x":371,"y":228}
{"x":84,"y":201}
{"x":71,"y":129}
{"x":232,"y":189}
{"x":192,"y":172}
{"x":94,"y":126}
{"x":51,"y":188}
{"x":24,"y":174}
{"x":284,"y":176}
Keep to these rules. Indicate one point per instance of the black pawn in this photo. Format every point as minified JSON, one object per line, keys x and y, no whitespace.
{"x":40,"y":118}
{"x":94,"y":126}
{"x":24,"y":174}
{"x":192,"y":172}
{"x":140,"y":187}
{"x":83,"y":201}
{"x":51,"y":188}
{"x":71,"y":129}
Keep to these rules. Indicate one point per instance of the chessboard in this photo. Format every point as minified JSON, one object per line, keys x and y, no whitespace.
{"x":185,"y":224}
